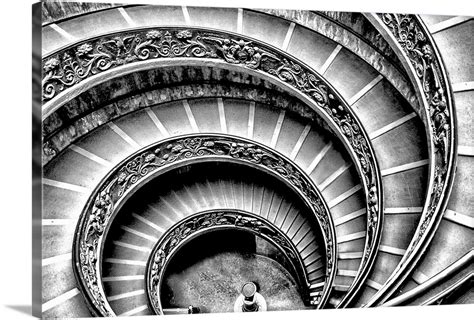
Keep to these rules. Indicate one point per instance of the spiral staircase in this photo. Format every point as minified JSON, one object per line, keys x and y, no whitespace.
{"x":343,"y":138}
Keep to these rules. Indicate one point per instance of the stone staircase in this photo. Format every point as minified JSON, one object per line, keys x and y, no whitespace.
{"x":391,"y":121}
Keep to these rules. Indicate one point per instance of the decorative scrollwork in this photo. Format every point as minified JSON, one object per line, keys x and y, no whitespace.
{"x":102,"y":205}
{"x":68,"y":67}
{"x":420,"y":51}
{"x":73,"y":65}
{"x":199,"y":223}
{"x":416,"y":44}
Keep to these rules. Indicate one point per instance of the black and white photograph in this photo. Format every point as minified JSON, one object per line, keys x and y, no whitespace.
{"x":222,"y":159}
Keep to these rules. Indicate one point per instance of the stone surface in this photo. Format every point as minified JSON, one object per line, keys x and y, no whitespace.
{"x":52,"y":11}
{"x":359,"y":45}
{"x":122,"y":96}
{"x":214,"y":283}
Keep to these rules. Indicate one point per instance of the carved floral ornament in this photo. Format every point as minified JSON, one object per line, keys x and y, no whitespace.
{"x":69,"y":67}
{"x":100,"y":210}
{"x":421,"y":52}
{"x":203,"y":222}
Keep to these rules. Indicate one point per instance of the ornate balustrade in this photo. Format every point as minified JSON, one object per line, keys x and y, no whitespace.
{"x":161,"y":157}
{"x":414,"y":45}
{"x":366,"y":43}
{"x":186,"y":230}
{"x":74,"y":69}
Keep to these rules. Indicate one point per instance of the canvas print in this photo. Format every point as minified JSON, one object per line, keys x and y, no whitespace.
{"x":216,"y":160}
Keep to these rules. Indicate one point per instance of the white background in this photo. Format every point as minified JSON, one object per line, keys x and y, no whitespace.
{"x":15,"y":159}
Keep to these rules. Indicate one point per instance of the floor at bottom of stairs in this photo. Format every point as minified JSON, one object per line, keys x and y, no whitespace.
{"x":213,"y":283}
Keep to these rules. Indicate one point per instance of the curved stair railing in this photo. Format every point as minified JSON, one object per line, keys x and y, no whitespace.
{"x":329,"y":27}
{"x":417,"y":50}
{"x":76,"y":68}
{"x":161,"y":157}
{"x":462,"y":264}
{"x":207,"y":221}
{"x":414,"y":46}
{"x":464,"y":284}
{"x":72,"y":70}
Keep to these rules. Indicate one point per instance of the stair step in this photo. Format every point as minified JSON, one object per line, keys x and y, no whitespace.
{"x":396,"y":193}
{"x":124,"y":305}
{"x":223,"y":18}
{"x":118,"y":291}
{"x":173,"y":117}
{"x":265,"y":28}
{"x":306,"y":242}
{"x":276,"y":208}
{"x":59,"y":203}
{"x":309,"y":250}
{"x":75,"y":169}
{"x":345,"y":66}
{"x":237,"y":116}
{"x":206,"y":114}
{"x":408,"y":137}
{"x":91,"y":24}
{"x":290,"y":132}
{"x":57,"y":279}
{"x":156,"y":15}
{"x":308,"y":260}
{"x":450,"y":237}
{"x":56,"y":240}
{"x":331,"y":161}
{"x":71,"y":303}
{"x":310,"y":47}
{"x":140,"y":127}
{"x":455,"y":46}
{"x":107,"y":144}
{"x":377,"y":104}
